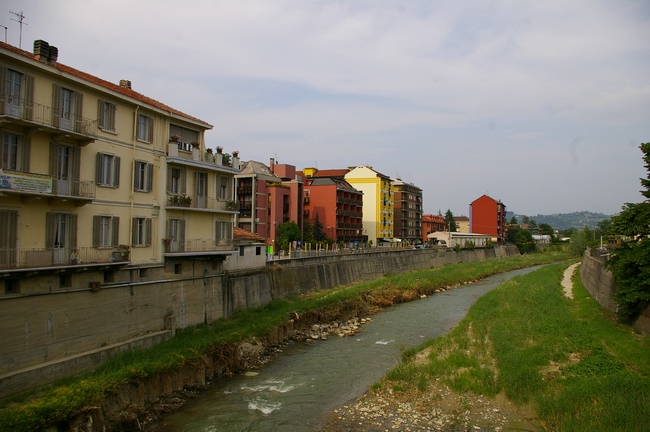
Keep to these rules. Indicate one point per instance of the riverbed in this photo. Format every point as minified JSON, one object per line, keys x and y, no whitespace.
{"x":304,"y":383}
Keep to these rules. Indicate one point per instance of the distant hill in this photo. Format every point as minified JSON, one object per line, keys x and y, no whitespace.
{"x":562,"y":221}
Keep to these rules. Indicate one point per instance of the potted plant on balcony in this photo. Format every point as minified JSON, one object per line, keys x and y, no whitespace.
{"x":174,"y":138}
{"x":185,"y":201}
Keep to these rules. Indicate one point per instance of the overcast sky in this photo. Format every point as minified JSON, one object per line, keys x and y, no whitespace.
{"x":540,"y":104}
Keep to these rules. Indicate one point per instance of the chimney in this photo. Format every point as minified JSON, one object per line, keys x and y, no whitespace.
{"x":41,"y":50}
{"x":54,"y":54}
{"x":272,"y":165}
{"x":125,"y":84}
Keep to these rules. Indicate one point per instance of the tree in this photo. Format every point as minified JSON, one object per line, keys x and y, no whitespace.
{"x":450,"y":223}
{"x":630,"y":262}
{"x":287,"y":233}
{"x":308,"y":231}
{"x":522,"y":238}
{"x":513,"y":220}
{"x":318,"y":233}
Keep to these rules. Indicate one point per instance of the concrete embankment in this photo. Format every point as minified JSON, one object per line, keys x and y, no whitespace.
{"x":600,"y":283}
{"x":72,"y":331}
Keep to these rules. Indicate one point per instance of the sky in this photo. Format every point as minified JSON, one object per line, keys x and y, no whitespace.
{"x":539,"y":104}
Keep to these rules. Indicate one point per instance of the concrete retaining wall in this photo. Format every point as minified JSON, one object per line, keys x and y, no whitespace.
{"x":600,"y":283}
{"x":63,"y":327}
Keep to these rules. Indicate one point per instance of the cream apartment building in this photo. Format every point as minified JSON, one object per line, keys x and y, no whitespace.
{"x":96,"y":173}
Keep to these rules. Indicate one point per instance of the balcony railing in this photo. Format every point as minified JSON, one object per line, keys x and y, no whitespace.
{"x":18,"y":258}
{"x":204,"y":203}
{"x":197,"y":245}
{"x":44,"y":115}
{"x":38,"y":184}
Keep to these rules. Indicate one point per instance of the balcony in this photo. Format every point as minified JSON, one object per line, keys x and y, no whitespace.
{"x":34,"y":116}
{"x":185,"y":202}
{"x":31,"y":186}
{"x":36,"y":258}
{"x":197,"y":247}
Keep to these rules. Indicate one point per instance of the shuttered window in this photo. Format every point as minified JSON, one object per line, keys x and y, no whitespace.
{"x":144,"y":128}
{"x":106,"y":114}
{"x":141,"y":231}
{"x":107,"y":170}
{"x":143,"y":181}
{"x":105,"y":231}
{"x":14,"y":152}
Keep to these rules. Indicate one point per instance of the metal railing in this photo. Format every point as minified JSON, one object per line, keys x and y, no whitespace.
{"x":16,"y":258}
{"x":44,"y":115}
{"x":207,"y":203}
{"x":23,"y":181}
{"x":197,"y":245}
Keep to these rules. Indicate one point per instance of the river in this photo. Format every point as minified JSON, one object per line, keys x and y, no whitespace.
{"x":304,"y":383}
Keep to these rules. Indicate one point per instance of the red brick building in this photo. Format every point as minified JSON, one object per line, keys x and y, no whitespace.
{"x":432,"y":223}
{"x":338,"y":205}
{"x":488,"y":216}
{"x":268,"y":197}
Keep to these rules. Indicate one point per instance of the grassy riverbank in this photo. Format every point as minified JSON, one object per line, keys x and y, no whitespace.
{"x":55,"y":403}
{"x":566,"y":359}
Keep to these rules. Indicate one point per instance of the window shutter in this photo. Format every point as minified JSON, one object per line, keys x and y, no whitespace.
{"x":169,"y":178}
{"x":182,"y":181}
{"x":2,"y":140}
{"x":76,"y":168}
{"x":54,"y":155}
{"x":116,"y":173}
{"x":150,"y":131}
{"x":149,"y":179}
{"x":96,"y":230}
{"x":115,"y":230}
{"x":147,"y":227}
{"x":3,"y":88}
{"x":99,"y":168}
{"x":56,"y":105}
{"x":28,"y":106}
{"x":73,"y":230}
{"x":181,"y":233}
{"x":27,"y":144}
{"x":134,"y":231}
{"x":50,"y":223}
{"x":100,"y":114}
{"x":78,"y":105}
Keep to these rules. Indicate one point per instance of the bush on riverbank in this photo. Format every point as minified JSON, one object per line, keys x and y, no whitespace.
{"x":579,"y":370}
{"x":39,"y":409}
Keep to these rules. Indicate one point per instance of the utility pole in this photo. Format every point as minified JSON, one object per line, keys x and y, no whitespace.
{"x":20,"y":19}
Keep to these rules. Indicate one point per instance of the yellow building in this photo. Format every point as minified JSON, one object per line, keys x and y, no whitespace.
{"x":378,"y":204}
{"x":100,"y":183}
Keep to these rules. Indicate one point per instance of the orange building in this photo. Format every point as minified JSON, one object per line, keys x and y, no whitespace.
{"x":431,"y":223}
{"x":268,"y":197}
{"x":337,"y":204}
{"x":488,"y":216}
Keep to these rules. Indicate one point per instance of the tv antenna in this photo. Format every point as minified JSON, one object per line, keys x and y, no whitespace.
{"x":20,"y":17}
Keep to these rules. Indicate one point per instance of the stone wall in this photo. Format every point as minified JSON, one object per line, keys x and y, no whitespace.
{"x":61,"y":328}
{"x":600,"y":283}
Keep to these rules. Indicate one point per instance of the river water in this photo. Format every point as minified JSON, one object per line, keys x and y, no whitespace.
{"x":302,"y":385}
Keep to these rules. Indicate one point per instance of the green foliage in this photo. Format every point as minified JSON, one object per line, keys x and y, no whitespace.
{"x":577,"y":369}
{"x":630,"y":262}
{"x":308,"y":232}
{"x":450,"y":223}
{"x":318,"y":233}
{"x":287,"y":232}
{"x":522,"y":238}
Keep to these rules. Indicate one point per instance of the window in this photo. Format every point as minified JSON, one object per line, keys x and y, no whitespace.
{"x":105,"y":231}
{"x":223,"y":232}
{"x":186,"y":135}
{"x":67,"y":105}
{"x":223,"y":187}
{"x":178,"y":268}
{"x":14,"y":152}
{"x":175,"y":180}
{"x":106,"y":115}
{"x":65,"y":281}
{"x":201,"y":189}
{"x":144,"y":128}
{"x":242,"y":249}
{"x":141,"y":232}
{"x":108,"y":170}
{"x":12,"y":286}
{"x":143,"y":176}
{"x":8,"y":236}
